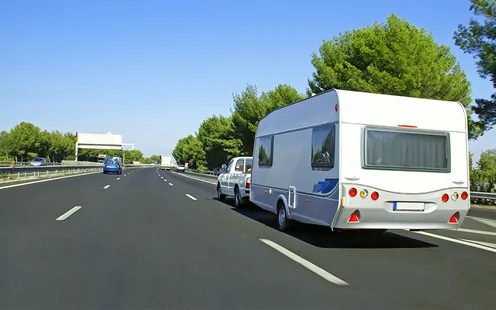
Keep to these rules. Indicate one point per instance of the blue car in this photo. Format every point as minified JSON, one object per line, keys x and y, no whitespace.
{"x":112,"y":165}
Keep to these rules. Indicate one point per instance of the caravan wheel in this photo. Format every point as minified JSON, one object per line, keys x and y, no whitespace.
{"x":283,"y":222}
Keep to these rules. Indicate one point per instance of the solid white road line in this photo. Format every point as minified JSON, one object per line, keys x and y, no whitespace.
{"x":456,"y":241}
{"x":488,"y":244}
{"x":478,"y":232}
{"x":197,"y":179}
{"x":488,"y":222}
{"x":190,"y":197}
{"x":106,"y":186}
{"x":310,"y":266}
{"x":68,"y":213}
{"x":171,"y":184}
{"x":48,"y":180}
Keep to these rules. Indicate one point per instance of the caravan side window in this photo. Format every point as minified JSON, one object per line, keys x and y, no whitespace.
{"x":265,"y":151}
{"x":323,"y":146}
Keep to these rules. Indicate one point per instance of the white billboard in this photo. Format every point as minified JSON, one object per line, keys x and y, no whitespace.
{"x":106,"y":141}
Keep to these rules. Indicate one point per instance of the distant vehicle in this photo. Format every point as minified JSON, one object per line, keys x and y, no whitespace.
{"x":101,"y":158}
{"x":354,"y":160}
{"x":166,"y":162}
{"x":38,"y":161}
{"x":235,"y":180}
{"x":180,"y":168}
{"x":112,"y":165}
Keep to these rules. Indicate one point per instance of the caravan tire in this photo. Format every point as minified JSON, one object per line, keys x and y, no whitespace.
{"x":283,"y":222}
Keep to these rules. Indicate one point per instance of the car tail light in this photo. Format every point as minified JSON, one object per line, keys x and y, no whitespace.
{"x":464,"y":195}
{"x":352,"y":192}
{"x":247,"y":184}
{"x":445,"y":198}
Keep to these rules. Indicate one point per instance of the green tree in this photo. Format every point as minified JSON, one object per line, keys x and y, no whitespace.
{"x":189,"y":148}
{"x":147,"y":160}
{"x":395,"y":58}
{"x":132,"y":156}
{"x":5,"y":146}
{"x":250,"y":108}
{"x":216,"y":135}
{"x":479,"y":40}
{"x":156,"y":158}
{"x":25,"y":139}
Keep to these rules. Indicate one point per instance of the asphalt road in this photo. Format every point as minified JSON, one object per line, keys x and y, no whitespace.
{"x":141,"y":242}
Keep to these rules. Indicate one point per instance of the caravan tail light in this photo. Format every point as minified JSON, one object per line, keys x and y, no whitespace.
{"x":374,"y":195}
{"x":464,"y":195}
{"x":455,"y":196}
{"x":454,"y":218}
{"x":445,"y":198}
{"x":352,"y":192}
{"x":247,"y":184}
{"x":354,"y":217}
{"x":363,"y":193}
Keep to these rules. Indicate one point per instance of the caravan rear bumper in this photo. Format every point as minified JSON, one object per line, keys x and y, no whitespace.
{"x":403,"y":211}
{"x":379,"y":218}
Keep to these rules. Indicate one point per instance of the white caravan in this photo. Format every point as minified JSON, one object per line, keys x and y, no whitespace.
{"x":353,"y":160}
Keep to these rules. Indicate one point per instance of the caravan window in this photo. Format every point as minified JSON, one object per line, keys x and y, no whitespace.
{"x":406,"y":150}
{"x":323,"y":141}
{"x":265,"y":151}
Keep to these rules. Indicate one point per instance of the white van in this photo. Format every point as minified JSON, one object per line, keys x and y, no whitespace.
{"x":353,"y":160}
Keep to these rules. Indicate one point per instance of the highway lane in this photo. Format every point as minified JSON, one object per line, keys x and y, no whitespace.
{"x":143,"y":243}
{"x":405,"y":268}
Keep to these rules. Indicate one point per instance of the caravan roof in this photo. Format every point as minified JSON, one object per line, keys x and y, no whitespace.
{"x":365,"y":108}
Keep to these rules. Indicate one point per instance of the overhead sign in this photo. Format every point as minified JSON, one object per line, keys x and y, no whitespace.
{"x":106,"y":141}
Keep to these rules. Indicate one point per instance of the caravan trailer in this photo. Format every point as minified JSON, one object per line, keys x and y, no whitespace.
{"x":353,"y":160}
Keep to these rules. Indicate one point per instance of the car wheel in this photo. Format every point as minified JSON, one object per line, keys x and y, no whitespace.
{"x":220,"y":196}
{"x":238,"y":200}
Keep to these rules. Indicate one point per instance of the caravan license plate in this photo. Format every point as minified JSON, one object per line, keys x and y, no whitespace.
{"x":408,"y":206}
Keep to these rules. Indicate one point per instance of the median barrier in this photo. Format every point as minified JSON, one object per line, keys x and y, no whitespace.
{"x":36,"y":174}
{"x":207,"y":174}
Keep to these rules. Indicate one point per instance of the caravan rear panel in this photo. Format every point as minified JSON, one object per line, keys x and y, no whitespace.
{"x":413,"y":153}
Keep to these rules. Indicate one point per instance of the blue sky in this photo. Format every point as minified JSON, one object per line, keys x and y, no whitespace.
{"x":166,"y":66}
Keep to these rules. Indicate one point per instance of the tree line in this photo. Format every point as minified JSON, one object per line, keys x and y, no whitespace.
{"x":395,"y":58}
{"x":26,"y":141}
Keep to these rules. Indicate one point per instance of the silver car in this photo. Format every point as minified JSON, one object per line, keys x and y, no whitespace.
{"x":38,"y":161}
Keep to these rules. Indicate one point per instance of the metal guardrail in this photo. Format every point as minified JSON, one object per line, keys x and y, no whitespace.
{"x":36,"y":174}
{"x":473,"y":195}
{"x":22,"y":169}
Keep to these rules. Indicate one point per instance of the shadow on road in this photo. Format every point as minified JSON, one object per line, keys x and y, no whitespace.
{"x":323,"y":237}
